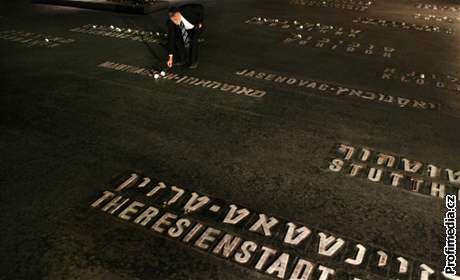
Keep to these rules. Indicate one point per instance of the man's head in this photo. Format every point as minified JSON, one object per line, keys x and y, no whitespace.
{"x":174,"y":15}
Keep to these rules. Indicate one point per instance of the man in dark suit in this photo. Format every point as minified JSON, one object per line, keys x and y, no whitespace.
{"x":184,"y":28}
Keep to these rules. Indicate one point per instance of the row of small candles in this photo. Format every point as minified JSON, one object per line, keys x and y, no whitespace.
{"x":129,"y":30}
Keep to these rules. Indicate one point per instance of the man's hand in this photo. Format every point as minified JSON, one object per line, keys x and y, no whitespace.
{"x":170,"y":61}
{"x":200,"y":25}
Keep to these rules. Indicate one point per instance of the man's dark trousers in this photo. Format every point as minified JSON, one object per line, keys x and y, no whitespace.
{"x":188,"y":55}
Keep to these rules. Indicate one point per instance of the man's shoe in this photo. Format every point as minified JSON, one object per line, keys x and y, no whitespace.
{"x":193,"y":66}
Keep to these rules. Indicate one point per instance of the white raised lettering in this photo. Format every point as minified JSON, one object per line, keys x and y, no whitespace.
{"x":454,"y":176}
{"x":358,"y":259}
{"x":329,"y":245}
{"x":230,"y":218}
{"x":295,"y":235}
{"x":265,"y":223}
{"x":195,"y":202}
{"x":279,"y":266}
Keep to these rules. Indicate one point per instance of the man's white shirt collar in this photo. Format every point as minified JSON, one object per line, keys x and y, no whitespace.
{"x":187,"y":24}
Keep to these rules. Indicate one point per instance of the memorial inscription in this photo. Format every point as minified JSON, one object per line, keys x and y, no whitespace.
{"x":437,"y":18}
{"x":333,"y":44}
{"x":352,"y":5}
{"x":404,"y":25}
{"x":187,"y":80}
{"x":435,"y":81}
{"x":322,"y":87}
{"x":306,"y":27}
{"x":265,"y":243}
{"x":34,"y":39}
{"x":437,"y":7}
{"x":339,"y":37}
{"x":396,"y":171}
{"x":122,"y":33}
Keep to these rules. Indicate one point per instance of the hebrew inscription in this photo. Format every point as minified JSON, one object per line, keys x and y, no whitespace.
{"x":351,"y":5}
{"x":404,"y":25}
{"x":338,"y":38}
{"x":431,"y":17}
{"x":332,"y":89}
{"x":30,"y":39}
{"x":121,"y":33}
{"x":388,"y":169}
{"x":333,"y":44}
{"x":258,"y":241}
{"x":437,"y":7}
{"x":435,"y":81}
{"x":304,"y":27}
{"x":187,"y":80}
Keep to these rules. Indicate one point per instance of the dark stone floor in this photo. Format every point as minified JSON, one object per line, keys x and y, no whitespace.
{"x":69,"y":127}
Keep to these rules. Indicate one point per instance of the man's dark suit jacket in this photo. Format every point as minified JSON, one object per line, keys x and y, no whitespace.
{"x":194,"y":13}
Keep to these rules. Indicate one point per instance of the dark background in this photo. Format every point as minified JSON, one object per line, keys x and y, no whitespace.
{"x":68,"y":128}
